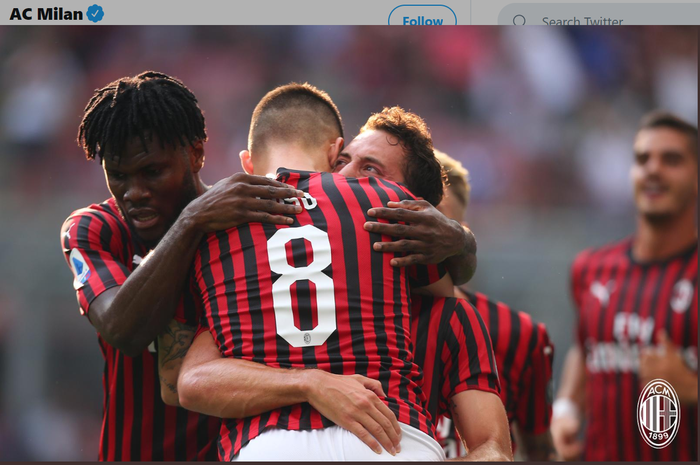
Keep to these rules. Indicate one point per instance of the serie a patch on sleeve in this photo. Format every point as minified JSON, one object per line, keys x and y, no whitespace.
{"x":80,"y":268}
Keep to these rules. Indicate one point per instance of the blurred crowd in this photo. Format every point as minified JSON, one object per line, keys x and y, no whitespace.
{"x":542,"y":117}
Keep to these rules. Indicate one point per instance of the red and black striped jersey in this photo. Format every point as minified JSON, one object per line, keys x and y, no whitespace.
{"x":622,"y":305}
{"x":314,"y":295}
{"x":524,"y":356}
{"x":136,"y":424}
{"x":453,"y":348}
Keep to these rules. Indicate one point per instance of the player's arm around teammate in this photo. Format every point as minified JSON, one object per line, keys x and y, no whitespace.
{"x":130,"y":316}
{"x":426,"y":237}
{"x":235,"y":388}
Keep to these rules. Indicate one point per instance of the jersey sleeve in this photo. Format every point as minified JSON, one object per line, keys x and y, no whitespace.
{"x":467,"y":355}
{"x":94,"y":248}
{"x":535,"y":413}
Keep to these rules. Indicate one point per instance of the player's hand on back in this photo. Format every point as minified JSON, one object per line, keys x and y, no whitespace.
{"x":242,"y":198}
{"x":427,"y":237}
{"x":352,"y":402}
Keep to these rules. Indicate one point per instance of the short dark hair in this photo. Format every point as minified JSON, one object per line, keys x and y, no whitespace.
{"x":294,"y":113}
{"x":422,"y":172}
{"x":665,"y":119}
{"x":147,"y":105}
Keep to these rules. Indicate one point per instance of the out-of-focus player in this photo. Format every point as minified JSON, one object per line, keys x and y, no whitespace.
{"x":637,"y":303}
{"x":149,"y":134}
{"x":523,"y":351}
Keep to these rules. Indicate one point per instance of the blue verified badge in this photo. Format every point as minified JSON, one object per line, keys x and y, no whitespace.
{"x":81,"y":270}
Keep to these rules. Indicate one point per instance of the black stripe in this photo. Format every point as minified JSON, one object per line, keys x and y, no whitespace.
{"x":248,"y":246}
{"x":352,"y":275}
{"x":137,"y":390}
{"x":181,"y":419}
{"x":447,"y":335}
{"x":619,"y":309}
{"x":513,"y":342}
{"x":158,"y":420}
{"x":531,"y":414}
{"x":634,"y":388}
{"x":283,"y":419}
{"x":109,"y":364}
{"x":421,"y":344}
{"x":208,"y":278}
{"x":378,"y":279}
{"x":309,"y":358}
{"x":305,"y":417}
{"x":119,"y":409}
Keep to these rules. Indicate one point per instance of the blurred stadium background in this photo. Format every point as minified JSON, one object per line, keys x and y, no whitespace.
{"x":542,"y":117}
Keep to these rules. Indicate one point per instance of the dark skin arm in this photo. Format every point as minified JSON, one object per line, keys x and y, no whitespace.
{"x":131,"y":316}
{"x":428,"y":237}
{"x":173,"y":345}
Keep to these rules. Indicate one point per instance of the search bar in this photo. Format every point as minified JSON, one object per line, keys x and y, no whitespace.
{"x":600,"y":14}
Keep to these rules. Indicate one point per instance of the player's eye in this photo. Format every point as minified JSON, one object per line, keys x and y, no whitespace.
{"x":153,"y":173}
{"x":339,"y":164}
{"x":641,"y":158}
{"x":372,"y":169}
{"x":673,"y":159}
{"x":115,"y":176}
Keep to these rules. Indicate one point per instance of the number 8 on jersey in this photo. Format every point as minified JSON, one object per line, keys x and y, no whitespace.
{"x":281,"y":289}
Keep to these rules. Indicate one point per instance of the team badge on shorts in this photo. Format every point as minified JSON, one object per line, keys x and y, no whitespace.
{"x":658,"y":413}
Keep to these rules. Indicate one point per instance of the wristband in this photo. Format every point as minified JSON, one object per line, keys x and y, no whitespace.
{"x":564,"y":407}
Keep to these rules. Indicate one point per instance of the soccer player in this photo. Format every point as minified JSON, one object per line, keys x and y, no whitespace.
{"x":637,"y":303}
{"x":522,"y":348}
{"x":149,"y":133}
{"x":524,"y":353}
{"x":267,"y":299}
{"x":488,"y":441}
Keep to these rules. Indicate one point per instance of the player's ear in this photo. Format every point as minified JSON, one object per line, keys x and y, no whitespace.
{"x":196,"y":155}
{"x":246,"y":161}
{"x":335,"y":149}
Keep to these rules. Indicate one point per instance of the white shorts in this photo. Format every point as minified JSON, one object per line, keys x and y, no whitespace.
{"x":335,"y":443}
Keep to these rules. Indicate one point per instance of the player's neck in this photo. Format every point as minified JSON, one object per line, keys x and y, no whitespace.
{"x":294,"y":158}
{"x":656,"y":241}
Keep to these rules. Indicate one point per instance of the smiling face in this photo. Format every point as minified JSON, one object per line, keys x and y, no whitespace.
{"x":151,"y":187}
{"x":664,"y":173}
{"x":372,"y":154}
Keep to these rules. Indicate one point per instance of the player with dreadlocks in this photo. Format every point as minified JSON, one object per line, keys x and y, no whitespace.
{"x":131,"y":254}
